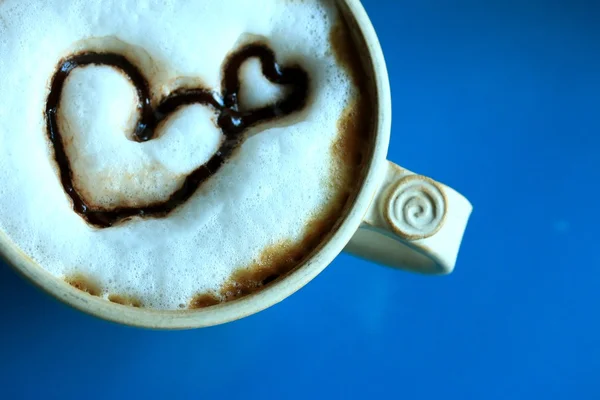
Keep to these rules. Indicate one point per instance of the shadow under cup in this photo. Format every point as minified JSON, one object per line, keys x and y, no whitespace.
{"x":361,"y":147}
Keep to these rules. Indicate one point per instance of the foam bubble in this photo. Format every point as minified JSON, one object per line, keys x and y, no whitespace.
{"x":265,"y":195}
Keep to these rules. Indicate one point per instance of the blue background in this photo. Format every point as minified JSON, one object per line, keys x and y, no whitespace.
{"x":499,"y":99}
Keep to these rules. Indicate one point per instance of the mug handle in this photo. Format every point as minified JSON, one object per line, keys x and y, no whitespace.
{"x":413,"y":223}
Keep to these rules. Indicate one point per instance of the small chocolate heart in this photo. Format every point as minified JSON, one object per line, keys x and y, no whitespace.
{"x":232,"y":121}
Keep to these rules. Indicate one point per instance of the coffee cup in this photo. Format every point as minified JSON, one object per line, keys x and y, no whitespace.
{"x":398,"y":218}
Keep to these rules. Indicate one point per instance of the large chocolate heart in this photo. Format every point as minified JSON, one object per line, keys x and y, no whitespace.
{"x":232,"y":121}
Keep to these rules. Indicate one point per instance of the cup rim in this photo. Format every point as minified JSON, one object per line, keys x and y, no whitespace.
{"x":275,"y":292}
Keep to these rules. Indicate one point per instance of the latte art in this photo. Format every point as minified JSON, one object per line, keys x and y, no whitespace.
{"x":232,"y":120}
{"x":175,"y":154}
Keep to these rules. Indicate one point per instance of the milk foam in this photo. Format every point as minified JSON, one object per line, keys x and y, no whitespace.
{"x":266,"y":194}
{"x":111,"y":169}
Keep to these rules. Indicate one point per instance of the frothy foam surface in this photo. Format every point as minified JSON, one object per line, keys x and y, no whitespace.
{"x":281,"y":178}
{"x":110,"y":169}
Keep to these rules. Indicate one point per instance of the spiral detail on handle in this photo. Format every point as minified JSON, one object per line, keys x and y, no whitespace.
{"x":416,"y":207}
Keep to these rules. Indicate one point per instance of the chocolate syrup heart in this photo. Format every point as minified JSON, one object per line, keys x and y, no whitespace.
{"x":232,"y":121}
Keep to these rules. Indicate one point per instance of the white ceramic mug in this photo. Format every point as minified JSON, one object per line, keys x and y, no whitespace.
{"x":398,"y":218}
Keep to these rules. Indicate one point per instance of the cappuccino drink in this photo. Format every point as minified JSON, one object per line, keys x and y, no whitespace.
{"x":177,"y":154}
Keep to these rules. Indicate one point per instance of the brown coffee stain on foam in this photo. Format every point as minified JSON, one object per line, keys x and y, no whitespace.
{"x":84,"y":284}
{"x":353,"y":146}
{"x":87,"y":285}
{"x":273,"y":262}
{"x":278,"y":260}
{"x":351,"y":151}
{"x":347,"y":51}
{"x":203,"y":300}
{"x":125,"y":300}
